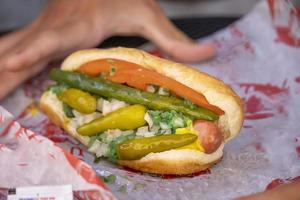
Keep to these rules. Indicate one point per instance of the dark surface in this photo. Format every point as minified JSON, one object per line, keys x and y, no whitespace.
{"x":195,"y":27}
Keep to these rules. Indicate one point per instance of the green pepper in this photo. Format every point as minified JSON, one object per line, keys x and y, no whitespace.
{"x":126,"y":118}
{"x":68,"y":110}
{"x":137,"y":148}
{"x":130,"y":95}
{"x":79,"y":100}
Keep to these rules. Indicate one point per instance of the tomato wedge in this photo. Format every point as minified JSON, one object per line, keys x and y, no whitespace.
{"x":139,"y":77}
{"x":96,"y":67}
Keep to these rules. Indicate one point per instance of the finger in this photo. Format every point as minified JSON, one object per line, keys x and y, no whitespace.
{"x":32,"y":51}
{"x":286,"y":191}
{"x":175,"y":43}
{"x":51,"y":44}
{"x":12,"y":42}
{"x":8,"y":43}
{"x":11,"y":39}
{"x":11,"y":80}
{"x":75,"y":36}
{"x":14,"y":38}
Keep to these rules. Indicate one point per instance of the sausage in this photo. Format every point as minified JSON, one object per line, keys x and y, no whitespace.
{"x":209,"y":135}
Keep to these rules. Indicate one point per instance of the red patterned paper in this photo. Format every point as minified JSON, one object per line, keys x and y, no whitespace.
{"x":259,"y":56}
{"x":28,"y":159}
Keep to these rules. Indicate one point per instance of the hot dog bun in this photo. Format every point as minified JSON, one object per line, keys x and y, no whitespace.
{"x":182,"y":161}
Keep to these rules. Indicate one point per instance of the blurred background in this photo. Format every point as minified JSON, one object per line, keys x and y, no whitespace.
{"x":16,"y":13}
{"x":197,"y":18}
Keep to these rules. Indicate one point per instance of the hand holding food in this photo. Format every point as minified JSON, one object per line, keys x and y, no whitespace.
{"x":65,"y":26}
{"x":143,"y":112}
{"x":126,"y":118}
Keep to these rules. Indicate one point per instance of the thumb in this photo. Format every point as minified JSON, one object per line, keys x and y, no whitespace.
{"x":175,"y":43}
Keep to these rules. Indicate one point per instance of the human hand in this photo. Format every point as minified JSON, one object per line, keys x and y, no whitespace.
{"x":65,"y":26}
{"x":289,"y":191}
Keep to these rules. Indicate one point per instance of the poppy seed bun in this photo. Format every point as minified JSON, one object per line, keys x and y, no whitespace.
{"x":183,"y":161}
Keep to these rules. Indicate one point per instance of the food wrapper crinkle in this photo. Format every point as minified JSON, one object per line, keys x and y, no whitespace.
{"x":259,"y":56}
{"x":28,"y":159}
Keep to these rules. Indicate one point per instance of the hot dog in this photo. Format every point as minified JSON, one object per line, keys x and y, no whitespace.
{"x":209,"y":134}
{"x":143,"y":112}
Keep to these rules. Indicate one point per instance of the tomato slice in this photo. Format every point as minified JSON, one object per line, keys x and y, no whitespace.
{"x":139,"y":77}
{"x":96,"y":67}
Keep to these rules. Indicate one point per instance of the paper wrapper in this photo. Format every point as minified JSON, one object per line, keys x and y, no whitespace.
{"x":259,"y":56}
{"x":28,"y":159}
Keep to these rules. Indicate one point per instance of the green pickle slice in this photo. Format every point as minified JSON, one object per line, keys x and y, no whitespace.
{"x":79,"y":100}
{"x":137,"y":148}
{"x":126,"y":118}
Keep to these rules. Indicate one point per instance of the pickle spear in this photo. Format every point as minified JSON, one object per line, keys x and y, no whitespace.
{"x":79,"y":100}
{"x":127,"y":118}
{"x":137,"y":148}
{"x":109,"y":89}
